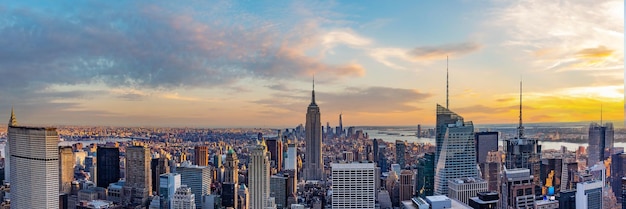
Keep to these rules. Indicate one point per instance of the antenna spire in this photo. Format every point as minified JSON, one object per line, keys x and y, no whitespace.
{"x":447,"y":84}
{"x":313,"y":92}
{"x":601,"y":114}
{"x":520,"y":129}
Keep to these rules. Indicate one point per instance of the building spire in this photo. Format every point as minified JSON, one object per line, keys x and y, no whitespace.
{"x":520,"y":129}
{"x":12,"y":120}
{"x":601,"y":114}
{"x":313,"y":92}
{"x":447,"y":82}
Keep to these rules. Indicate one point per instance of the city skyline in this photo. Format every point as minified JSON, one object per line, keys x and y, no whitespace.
{"x":235,"y":64}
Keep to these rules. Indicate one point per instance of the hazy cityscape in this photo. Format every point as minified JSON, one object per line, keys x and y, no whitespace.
{"x":312,"y":105}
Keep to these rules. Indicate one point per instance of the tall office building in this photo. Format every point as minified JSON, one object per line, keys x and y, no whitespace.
{"x":158,"y":166}
{"x":425,"y":178}
{"x":278,"y":189}
{"x":259,"y":175}
{"x":231,"y":167}
{"x":198,"y":178}
{"x":491,"y":170}
{"x":353,"y":185}
{"x":485,"y":143}
{"x":66,"y":168}
{"x":230,"y":184}
{"x":35,"y":182}
{"x":406,"y":185}
{"x":313,"y":164}
{"x":291,"y":162}
{"x":275,"y":148}
{"x":457,"y":154}
{"x":108,"y":163}
{"x":517,"y":189}
{"x":618,"y":163}
{"x":201,"y":156}
{"x":184,"y":199}
{"x":168,"y":184}
{"x":601,"y":140}
{"x":522,"y":152}
{"x":138,"y":178}
{"x":589,"y":192}
{"x":400,"y":153}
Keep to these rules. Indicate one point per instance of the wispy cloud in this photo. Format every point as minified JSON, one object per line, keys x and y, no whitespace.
{"x":581,"y":36}
{"x":443,"y":51}
{"x":395,"y":57}
{"x":353,"y":99}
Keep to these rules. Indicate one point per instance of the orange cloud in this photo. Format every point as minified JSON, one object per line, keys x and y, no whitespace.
{"x":595,"y":53}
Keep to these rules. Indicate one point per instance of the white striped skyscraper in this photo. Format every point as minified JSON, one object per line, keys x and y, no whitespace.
{"x":35,"y":182}
{"x":259,"y":175}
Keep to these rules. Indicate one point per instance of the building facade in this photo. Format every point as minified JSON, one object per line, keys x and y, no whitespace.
{"x":108,"y":163}
{"x":198,"y":178}
{"x":589,"y":194}
{"x":35,"y":172}
{"x":66,"y":168}
{"x":485,"y":142}
{"x":184,"y":198}
{"x":168,"y":184}
{"x":313,"y":163}
{"x":457,"y":153}
{"x":465,"y":188}
{"x":353,"y":186}
{"x":138,"y":175}
{"x":259,"y":175}
{"x":425,"y":178}
{"x":517,"y":189}
{"x":601,"y":139}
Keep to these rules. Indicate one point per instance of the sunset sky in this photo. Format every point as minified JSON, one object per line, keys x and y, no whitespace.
{"x":250,"y":63}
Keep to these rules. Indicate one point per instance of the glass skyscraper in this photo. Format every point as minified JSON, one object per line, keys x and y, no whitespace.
{"x":456,"y":148}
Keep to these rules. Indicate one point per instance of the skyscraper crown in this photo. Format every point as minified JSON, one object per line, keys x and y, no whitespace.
{"x":12,"y":120}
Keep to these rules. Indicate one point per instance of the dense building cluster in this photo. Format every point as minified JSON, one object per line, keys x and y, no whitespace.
{"x":309,"y":166}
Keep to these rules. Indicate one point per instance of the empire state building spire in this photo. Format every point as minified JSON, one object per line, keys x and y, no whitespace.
{"x":313,"y":93}
{"x":314,"y":164}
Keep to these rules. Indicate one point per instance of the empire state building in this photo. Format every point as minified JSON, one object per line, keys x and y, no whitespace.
{"x":313,"y":164}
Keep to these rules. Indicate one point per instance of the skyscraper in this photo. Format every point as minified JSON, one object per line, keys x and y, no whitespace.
{"x":259,"y":175}
{"x":66,"y":168}
{"x":600,"y":143}
{"x":517,"y":189}
{"x":159,"y":165}
{"x":35,"y":182}
{"x":108,"y":163}
{"x":400,"y":152}
{"x":138,"y":179}
{"x":291,"y":162}
{"x":184,"y":199}
{"x":485,"y":142}
{"x":198,"y":178}
{"x":353,"y":185}
{"x":406,"y":185}
{"x":457,"y":150}
{"x":275,"y":147}
{"x":522,"y":152}
{"x":425,"y":178}
{"x":313,"y":164}
{"x":230,"y":186}
{"x":201,"y":156}
{"x":168,"y":184}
